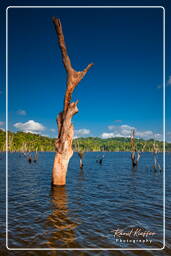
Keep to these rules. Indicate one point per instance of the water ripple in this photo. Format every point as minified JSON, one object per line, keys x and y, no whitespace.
{"x":95,"y":201}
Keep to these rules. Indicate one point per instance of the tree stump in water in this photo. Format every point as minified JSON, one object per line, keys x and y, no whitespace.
{"x":135,"y":158}
{"x":156,"y":165}
{"x":63,"y":144}
{"x":81,"y":155}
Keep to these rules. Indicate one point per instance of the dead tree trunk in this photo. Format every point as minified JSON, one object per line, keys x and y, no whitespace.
{"x":156,"y":165}
{"x":135,"y":154}
{"x":81,"y":155}
{"x":35,"y":156}
{"x":63,"y":144}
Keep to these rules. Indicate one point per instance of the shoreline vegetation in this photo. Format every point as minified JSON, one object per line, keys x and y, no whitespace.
{"x":29,"y":142}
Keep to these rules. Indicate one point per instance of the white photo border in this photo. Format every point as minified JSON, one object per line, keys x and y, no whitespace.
{"x":164,"y":69}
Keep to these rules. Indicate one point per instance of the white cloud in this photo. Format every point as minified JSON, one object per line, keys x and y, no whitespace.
{"x":118,"y":131}
{"x":30,"y":126}
{"x":168,"y":136}
{"x":52,"y":130}
{"x":45,"y":135}
{"x":107,"y":135}
{"x":145,"y":134}
{"x":2,"y":123}
{"x":111,"y":127}
{"x":21,"y":112}
{"x":126,"y":131}
{"x":158,"y":136}
{"x":81,"y":132}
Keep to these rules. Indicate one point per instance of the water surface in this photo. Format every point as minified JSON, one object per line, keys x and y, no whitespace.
{"x":84,"y":213}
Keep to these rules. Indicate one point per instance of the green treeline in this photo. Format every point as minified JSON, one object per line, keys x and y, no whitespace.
{"x":115,"y":144}
{"x":28,"y":142}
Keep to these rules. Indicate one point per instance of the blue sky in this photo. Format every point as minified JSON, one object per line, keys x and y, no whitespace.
{"x":122,"y":90}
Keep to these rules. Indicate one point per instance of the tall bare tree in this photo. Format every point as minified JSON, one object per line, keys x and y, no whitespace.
{"x":135,"y":153}
{"x":63,"y":143}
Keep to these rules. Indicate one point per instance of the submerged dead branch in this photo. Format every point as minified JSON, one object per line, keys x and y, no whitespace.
{"x":135,"y":153}
{"x":156,"y":165}
{"x":80,"y":152}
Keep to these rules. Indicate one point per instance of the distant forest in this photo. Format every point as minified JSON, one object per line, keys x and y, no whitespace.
{"x":28,"y":142}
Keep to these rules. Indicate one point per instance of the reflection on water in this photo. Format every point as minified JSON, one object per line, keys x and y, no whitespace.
{"x":62,"y":225}
{"x":95,"y":201}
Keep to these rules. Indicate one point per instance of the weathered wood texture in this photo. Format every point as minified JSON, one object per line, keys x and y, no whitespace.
{"x":63,"y":143}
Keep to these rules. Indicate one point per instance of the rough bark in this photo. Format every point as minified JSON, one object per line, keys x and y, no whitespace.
{"x":63,"y":143}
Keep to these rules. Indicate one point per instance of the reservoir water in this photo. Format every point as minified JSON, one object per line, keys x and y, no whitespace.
{"x":97,"y":203}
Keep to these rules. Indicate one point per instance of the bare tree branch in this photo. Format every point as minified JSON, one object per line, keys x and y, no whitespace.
{"x":73,"y":76}
{"x":61,"y":42}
